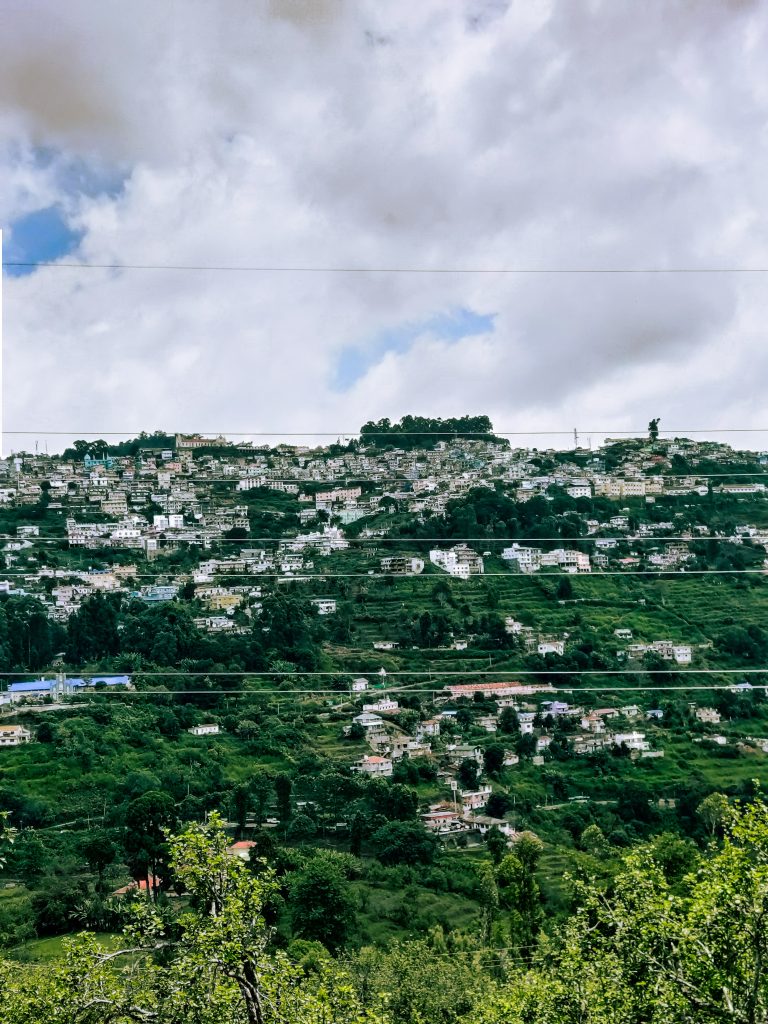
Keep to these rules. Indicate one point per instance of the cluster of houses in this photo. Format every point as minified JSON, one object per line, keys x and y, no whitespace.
{"x":173,"y":493}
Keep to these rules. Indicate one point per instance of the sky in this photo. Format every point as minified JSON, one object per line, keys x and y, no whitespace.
{"x":339,"y":146}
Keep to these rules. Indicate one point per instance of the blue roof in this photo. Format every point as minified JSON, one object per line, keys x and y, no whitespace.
{"x":46,"y":685}
{"x":36,"y":686}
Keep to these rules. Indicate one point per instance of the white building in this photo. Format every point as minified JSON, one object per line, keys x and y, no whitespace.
{"x":375,"y":766}
{"x":205,"y":730}
{"x":551,"y":647}
{"x":460,"y":561}
{"x":324,"y":605}
{"x":631,"y":740}
{"x":14,"y":735}
{"x":383,"y":706}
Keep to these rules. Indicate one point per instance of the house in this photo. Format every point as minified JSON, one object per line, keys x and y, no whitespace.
{"x":358,"y":685}
{"x":525,"y":722}
{"x":482,"y":823}
{"x":324,"y":605}
{"x":372,"y":724}
{"x":383,"y":706}
{"x":430,"y":727}
{"x":402,"y":745}
{"x":542,"y":743}
{"x":632,"y":740}
{"x":205,"y":730}
{"x":496,"y":690}
{"x":708,"y":715}
{"x":140,"y":886}
{"x":14,"y":735}
{"x":441,"y":818}
{"x":375,"y":766}
{"x":473,"y":799}
{"x":460,"y":561}
{"x":402,"y":565}
{"x":242,"y":849}
{"x":551,"y":647}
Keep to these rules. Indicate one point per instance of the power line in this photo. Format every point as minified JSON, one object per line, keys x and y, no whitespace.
{"x":300,"y":673}
{"x":302,"y":577}
{"x":330,"y":269}
{"x":286,"y":695}
{"x":289,"y":539}
{"x":636,"y":433}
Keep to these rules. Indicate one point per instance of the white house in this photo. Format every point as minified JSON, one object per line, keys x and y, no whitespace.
{"x":551,"y":647}
{"x":375,"y":766}
{"x":14,"y":735}
{"x":205,"y":730}
{"x":324,"y":605}
{"x":632,"y":740}
{"x":383,"y":706}
{"x":460,"y":561}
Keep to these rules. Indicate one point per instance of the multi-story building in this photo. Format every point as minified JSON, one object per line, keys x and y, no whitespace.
{"x":460,"y":561}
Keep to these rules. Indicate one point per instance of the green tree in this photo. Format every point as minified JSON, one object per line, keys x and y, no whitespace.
{"x":714,"y":812}
{"x":493,"y":758}
{"x":404,"y":842}
{"x":321,"y":902}
{"x":496,"y":842}
{"x":147,"y":820}
{"x":519,"y":892}
{"x":99,"y":850}
{"x":283,"y":787}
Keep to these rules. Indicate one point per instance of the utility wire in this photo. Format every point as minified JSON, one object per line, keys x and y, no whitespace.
{"x":301,"y":577}
{"x":636,"y":433}
{"x":340,"y":269}
{"x":288,"y":539}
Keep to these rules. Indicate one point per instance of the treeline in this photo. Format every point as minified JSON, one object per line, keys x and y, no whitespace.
{"x":426,"y":432}
{"x":116,"y":632}
{"x":99,"y":448}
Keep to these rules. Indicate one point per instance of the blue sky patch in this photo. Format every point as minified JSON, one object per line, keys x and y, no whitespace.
{"x":41,"y":236}
{"x":356,"y":360}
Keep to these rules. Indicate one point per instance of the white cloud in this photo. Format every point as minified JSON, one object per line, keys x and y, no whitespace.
{"x":479,"y":135}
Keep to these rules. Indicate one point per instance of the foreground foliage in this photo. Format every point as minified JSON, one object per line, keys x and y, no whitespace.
{"x":659,"y":947}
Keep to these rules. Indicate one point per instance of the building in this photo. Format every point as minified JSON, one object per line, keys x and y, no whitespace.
{"x":631,"y":740}
{"x":460,"y":561}
{"x":472,"y":800}
{"x":324,"y":605}
{"x":497,"y":690}
{"x":402,"y":565}
{"x":242,"y":849}
{"x":375,"y":766}
{"x":205,"y":730}
{"x":383,"y":706}
{"x":708,"y":715}
{"x":14,"y":735}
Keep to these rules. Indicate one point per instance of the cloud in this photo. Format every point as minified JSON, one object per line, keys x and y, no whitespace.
{"x":477,"y":136}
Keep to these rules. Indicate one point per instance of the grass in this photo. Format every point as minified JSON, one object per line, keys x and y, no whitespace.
{"x":41,"y":951}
